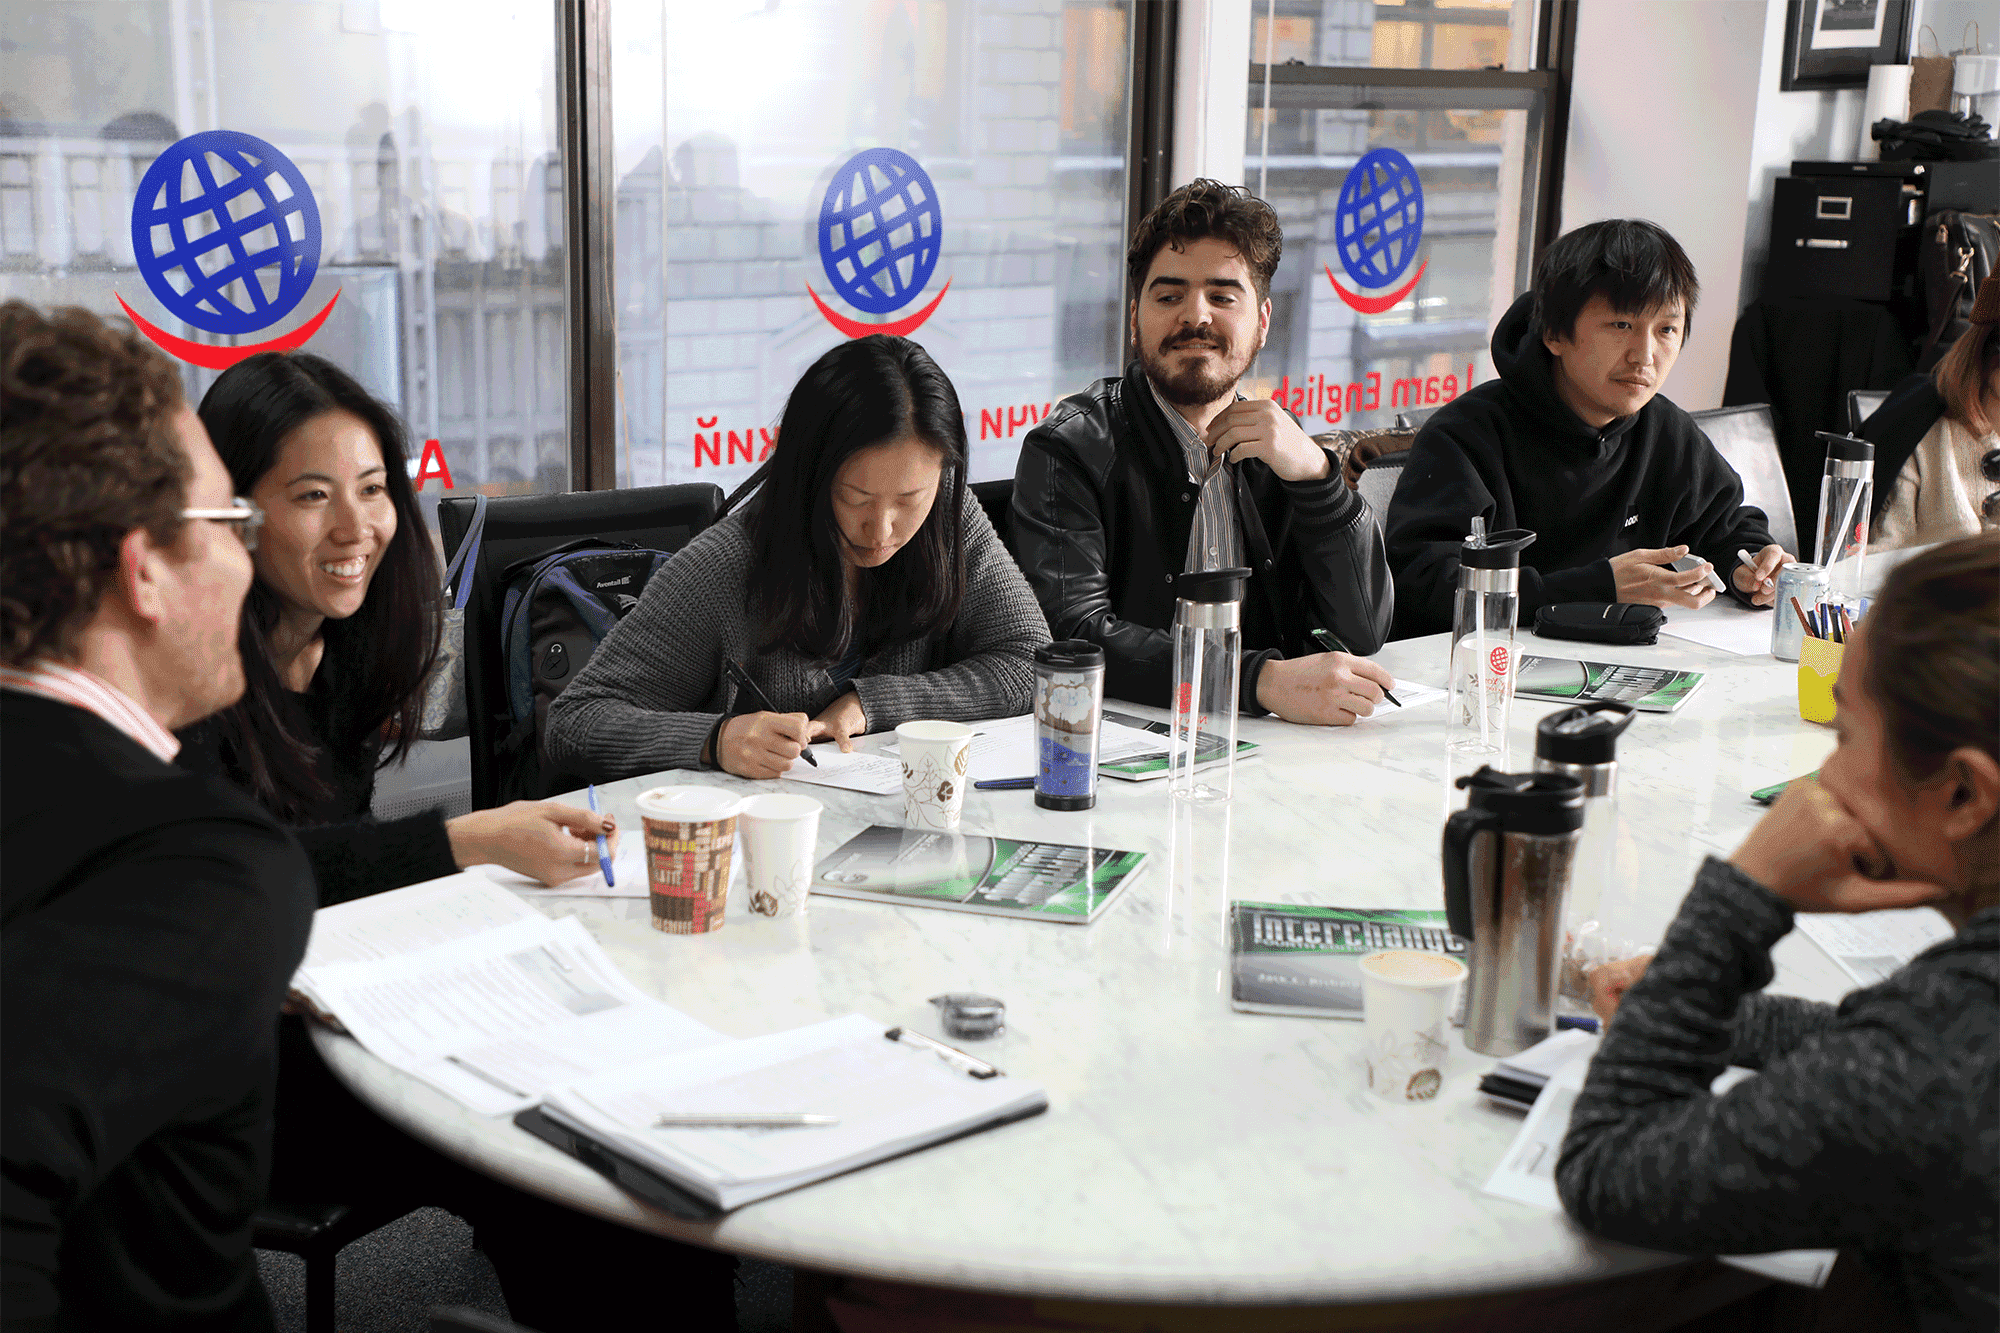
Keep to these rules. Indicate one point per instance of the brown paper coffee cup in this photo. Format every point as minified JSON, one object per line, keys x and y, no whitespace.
{"x":690,"y":836}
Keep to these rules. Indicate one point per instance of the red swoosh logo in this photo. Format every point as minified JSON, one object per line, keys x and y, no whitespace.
{"x":1375,"y":305}
{"x":854,"y":328}
{"x":211,"y":357}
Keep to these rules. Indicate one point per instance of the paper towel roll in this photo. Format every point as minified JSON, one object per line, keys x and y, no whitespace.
{"x":1888,"y":97}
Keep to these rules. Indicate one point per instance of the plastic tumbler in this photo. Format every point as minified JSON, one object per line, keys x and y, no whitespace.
{"x":1069,"y":696}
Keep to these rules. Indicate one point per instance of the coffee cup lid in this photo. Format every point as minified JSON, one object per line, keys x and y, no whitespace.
{"x":780,"y":805}
{"x":689,"y":804}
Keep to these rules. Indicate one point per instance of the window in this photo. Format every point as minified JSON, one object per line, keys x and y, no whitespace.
{"x":1407,"y":167}
{"x":979,"y":147}
{"x":439,"y":204}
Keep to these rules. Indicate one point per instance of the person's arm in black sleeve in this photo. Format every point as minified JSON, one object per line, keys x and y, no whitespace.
{"x":145,"y":991}
{"x":1059,"y":541}
{"x":1441,"y":491}
{"x":1346,"y":562}
{"x":1817,"y":1151}
{"x":358,"y":857}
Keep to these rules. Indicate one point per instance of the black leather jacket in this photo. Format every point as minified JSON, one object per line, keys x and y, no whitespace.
{"x":1102,"y":513}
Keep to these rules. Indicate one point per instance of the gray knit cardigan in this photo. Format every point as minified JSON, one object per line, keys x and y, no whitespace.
{"x":654,"y":688}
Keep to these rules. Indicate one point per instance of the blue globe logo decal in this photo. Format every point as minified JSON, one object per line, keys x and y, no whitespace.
{"x":880,"y":230}
{"x":226,"y":232}
{"x":1379,"y":218}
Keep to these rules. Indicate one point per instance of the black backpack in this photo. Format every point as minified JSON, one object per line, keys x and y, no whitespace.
{"x":558,"y":607}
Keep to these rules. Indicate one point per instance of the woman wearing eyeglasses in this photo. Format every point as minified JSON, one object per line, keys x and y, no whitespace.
{"x":340,"y":632}
{"x":1937,"y":441}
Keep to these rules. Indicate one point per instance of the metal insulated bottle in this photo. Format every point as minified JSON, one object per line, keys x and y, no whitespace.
{"x":1845,"y":492}
{"x":1482,"y":653}
{"x":1208,"y":663}
{"x":1507,"y":859}
{"x":1582,"y":743}
{"x":1069,"y":697}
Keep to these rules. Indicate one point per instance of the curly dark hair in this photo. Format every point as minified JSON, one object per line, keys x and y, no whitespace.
{"x":88,"y":453}
{"x":1198,"y":210}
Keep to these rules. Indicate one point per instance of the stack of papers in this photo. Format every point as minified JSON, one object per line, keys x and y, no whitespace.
{"x":887,"y":1097}
{"x":1519,"y":1079}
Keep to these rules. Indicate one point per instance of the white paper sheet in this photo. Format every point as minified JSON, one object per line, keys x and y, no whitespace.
{"x":1411,"y":694}
{"x":1725,"y":626}
{"x":402,"y":920}
{"x":1527,"y":1170}
{"x":859,"y":771}
{"x":628,"y":867}
{"x":1871,"y":946}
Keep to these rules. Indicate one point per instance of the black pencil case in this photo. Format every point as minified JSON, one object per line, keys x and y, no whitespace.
{"x":1601,"y":622}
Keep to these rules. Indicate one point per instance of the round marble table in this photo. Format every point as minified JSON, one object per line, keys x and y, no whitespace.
{"x":1190,"y":1154}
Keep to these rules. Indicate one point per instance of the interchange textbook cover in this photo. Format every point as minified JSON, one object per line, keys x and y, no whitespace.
{"x":968,"y":872}
{"x":1289,"y":959}
{"x":1648,"y":689}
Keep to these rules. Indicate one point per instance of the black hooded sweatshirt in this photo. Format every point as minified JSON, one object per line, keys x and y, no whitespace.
{"x":1511,"y":451}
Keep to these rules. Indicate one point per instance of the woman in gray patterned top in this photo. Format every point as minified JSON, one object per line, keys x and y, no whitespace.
{"x":1874,"y":1127}
{"x":861,"y":587}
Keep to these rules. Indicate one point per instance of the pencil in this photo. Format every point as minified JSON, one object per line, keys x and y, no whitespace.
{"x":1328,"y":640}
{"x":1804,"y":624}
{"x":1847,"y":625}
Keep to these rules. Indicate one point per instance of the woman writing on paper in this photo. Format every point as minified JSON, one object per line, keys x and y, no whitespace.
{"x":339,"y":634}
{"x":1937,"y":440}
{"x":861,"y":587}
{"x":1874,"y":1126}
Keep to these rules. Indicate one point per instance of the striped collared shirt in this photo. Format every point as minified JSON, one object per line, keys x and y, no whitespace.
{"x":80,"y":689}
{"x":1216,"y":540}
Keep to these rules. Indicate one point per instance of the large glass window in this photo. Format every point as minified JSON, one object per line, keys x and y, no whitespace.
{"x":1407,"y":190}
{"x":953,"y":169}
{"x":438,"y":202}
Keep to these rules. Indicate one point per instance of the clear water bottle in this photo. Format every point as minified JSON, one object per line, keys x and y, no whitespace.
{"x":1582,"y":743}
{"x":1208,"y":664}
{"x":1482,"y":653}
{"x":1846,"y":490}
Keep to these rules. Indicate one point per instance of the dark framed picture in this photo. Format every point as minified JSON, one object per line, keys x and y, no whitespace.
{"x":1831,"y":43}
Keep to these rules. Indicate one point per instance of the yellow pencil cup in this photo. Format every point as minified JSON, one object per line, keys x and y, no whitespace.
{"x":1819,"y":668}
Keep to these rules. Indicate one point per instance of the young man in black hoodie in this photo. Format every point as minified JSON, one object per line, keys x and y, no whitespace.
{"x":1574,"y":443}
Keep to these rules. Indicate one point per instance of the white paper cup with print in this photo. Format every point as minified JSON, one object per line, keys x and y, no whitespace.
{"x":935,"y":758}
{"x":780,"y":833}
{"x":1407,"y":996}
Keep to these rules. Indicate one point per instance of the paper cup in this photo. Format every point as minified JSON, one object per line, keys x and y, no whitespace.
{"x":1407,"y":996}
{"x":935,"y":756}
{"x":690,"y":832}
{"x":780,"y":834}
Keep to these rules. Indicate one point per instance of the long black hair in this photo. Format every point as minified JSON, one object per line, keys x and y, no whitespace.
{"x":384,"y":652}
{"x":865,"y":392}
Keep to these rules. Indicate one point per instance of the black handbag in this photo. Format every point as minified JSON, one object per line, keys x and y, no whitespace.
{"x":1957,"y":251}
{"x":1601,"y":622}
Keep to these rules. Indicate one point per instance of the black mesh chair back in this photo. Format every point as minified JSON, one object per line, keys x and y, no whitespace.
{"x":1861,"y":405}
{"x":997,"y":499}
{"x":1378,"y":483}
{"x":1748,"y":438}
{"x":521,"y":527}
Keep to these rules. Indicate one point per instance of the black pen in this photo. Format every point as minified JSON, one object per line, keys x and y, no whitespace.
{"x":747,"y":688}
{"x":1333,"y":645}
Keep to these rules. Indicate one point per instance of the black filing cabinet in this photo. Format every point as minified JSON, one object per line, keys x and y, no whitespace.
{"x":1834,"y":236}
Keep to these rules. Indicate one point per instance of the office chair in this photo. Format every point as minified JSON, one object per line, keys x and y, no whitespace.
{"x":1861,"y":405}
{"x":997,"y":499}
{"x":1415,"y":418}
{"x":317,"y":1233}
{"x":458,"y":1319}
{"x":1747,"y":438}
{"x":663,"y":518}
{"x":1378,"y":483}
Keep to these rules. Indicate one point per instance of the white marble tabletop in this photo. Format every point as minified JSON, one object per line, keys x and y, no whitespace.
{"x":1190,"y":1154}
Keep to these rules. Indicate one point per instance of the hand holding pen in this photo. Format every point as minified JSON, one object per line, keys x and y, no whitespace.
{"x":1331,"y":642}
{"x":758,"y":741}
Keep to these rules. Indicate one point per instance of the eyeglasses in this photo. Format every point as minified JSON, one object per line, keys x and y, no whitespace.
{"x":247,"y":517}
{"x":1989,"y":508}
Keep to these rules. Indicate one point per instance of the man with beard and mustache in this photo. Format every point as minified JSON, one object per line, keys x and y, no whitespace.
{"x":1167,"y":470}
{"x":1573,"y":443}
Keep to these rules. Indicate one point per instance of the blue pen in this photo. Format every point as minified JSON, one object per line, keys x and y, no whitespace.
{"x":603,"y":848}
{"x":1564,"y":1021}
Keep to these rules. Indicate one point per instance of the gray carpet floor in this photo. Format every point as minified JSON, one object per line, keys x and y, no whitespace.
{"x":391,"y":1279}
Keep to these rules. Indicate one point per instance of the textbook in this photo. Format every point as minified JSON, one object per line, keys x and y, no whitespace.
{"x":1150,"y":765}
{"x":1648,"y":689}
{"x":966,"y":872}
{"x":886,"y":1097}
{"x":1289,"y":959}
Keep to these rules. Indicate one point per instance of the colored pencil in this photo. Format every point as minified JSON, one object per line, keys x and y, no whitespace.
{"x":1804,"y":624}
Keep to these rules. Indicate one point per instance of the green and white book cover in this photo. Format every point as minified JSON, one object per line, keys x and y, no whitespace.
{"x":966,"y":872}
{"x":1289,"y":959}
{"x":1648,"y":689}
{"x":1147,"y":767}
